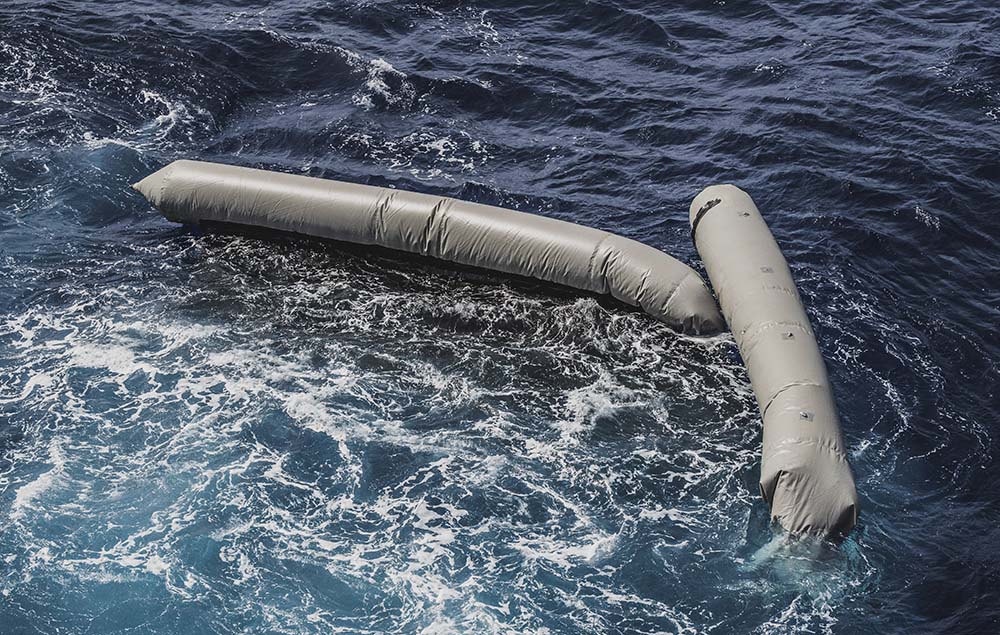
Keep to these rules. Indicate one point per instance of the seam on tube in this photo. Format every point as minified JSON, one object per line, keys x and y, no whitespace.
{"x":788,"y":386}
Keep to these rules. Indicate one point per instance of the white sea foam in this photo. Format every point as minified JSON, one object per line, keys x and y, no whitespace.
{"x":27,"y":495}
{"x":426,"y":155}
{"x":384,"y":84}
{"x":585,"y":405}
{"x":243,"y":426}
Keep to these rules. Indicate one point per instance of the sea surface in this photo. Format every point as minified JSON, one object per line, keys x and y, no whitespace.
{"x":224,"y":434}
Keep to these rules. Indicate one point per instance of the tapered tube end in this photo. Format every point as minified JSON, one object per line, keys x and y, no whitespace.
{"x":151,"y":187}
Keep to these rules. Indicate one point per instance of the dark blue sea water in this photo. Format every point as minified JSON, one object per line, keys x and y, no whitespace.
{"x":212,"y":434}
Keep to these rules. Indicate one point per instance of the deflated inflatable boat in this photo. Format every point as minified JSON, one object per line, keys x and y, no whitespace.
{"x":194,"y":192}
{"x":805,"y":477}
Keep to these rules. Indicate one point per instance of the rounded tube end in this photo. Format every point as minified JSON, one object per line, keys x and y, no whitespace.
{"x":693,"y":309}
{"x":714,"y":195}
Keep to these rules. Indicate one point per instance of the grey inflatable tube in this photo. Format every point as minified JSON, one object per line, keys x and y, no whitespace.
{"x":805,"y":476}
{"x":193,"y":192}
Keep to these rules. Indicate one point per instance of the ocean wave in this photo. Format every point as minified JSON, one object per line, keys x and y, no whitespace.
{"x":291,"y":437}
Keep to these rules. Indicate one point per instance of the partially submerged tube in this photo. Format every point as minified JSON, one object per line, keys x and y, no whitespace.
{"x":805,"y":477}
{"x":194,"y":192}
